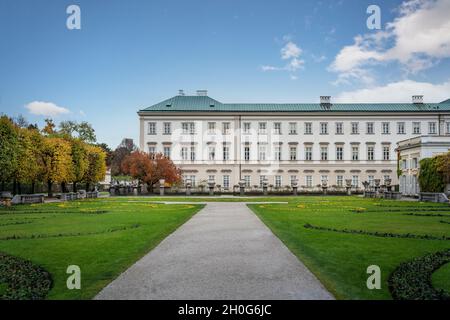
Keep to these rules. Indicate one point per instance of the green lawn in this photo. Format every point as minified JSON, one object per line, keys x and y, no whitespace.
{"x":339,"y":259}
{"x":103,"y":237}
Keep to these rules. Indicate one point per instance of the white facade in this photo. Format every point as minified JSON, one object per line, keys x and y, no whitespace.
{"x":283,"y":146}
{"x":411,"y":151}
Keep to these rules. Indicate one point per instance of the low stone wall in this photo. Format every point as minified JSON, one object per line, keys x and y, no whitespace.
{"x":392,"y":195}
{"x":433,"y":197}
{"x":28,"y":198}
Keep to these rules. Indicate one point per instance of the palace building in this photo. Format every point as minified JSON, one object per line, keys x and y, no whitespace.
{"x":308,"y":143}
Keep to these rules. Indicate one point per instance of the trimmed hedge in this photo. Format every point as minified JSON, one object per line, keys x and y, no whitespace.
{"x":22,"y":280}
{"x":379,"y":234}
{"x":412,"y":280}
{"x":430,"y":177}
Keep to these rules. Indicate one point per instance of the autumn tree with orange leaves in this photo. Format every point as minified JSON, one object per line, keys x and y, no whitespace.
{"x":150,"y":169}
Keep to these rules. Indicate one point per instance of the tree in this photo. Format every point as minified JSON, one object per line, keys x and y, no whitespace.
{"x":96,"y":169}
{"x":150,"y":170}
{"x":118,"y":156}
{"x":29,"y":169}
{"x":80,"y":162}
{"x":430,"y":179}
{"x":137,"y":165}
{"x":83,"y":130}
{"x":108,"y":152}
{"x":49,"y":128}
{"x":56,"y":160}
{"x":8,"y":150}
{"x":443,"y":166}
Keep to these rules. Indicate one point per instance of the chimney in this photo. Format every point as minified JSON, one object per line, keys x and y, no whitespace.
{"x":181,"y":92}
{"x":417,"y":99}
{"x":325,"y":99}
{"x":202,"y":92}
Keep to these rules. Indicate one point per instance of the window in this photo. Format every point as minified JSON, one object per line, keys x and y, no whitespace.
{"x":309,"y":181}
{"x":247,"y":153}
{"x":308,"y":153}
{"x":278,"y":181}
{"x":355,"y":128}
{"x":355,"y":153}
{"x":226,"y":182}
{"x":211,"y":153}
{"x":355,"y":181}
{"x":226,"y":153}
{"x":292,"y":128}
{"x":167,"y":128}
{"x":293,"y":180}
{"x":184,"y":153}
{"x":386,"y":153}
{"x":151,"y":151}
{"x":339,"y":153}
{"x":188,"y":127}
{"x":386,"y":178}
{"x":167,"y":152}
{"x":277,"y":128}
{"x":324,"y":128}
{"x":211,"y":178}
{"x":262,"y":128}
{"x":401,"y":128}
{"x":261,"y":180}
{"x":152,"y":128}
{"x":415,"y":163}
{"x":192,"y":181}
{"x":385,"y":128}
{"x":416,"y":127}
{"x":192,"y":153}
{"x":225,"y":128}
{"x":247,"y":127}
{"x":340,"y":181}
{"x":323,"y":153}
{"x":277,"y":153}
{"x":404,"y":164}
{"x":447,"y":124}
{"x":323,"y":179}
{"x":247,"y":181}
{"x":211,"y":128}
{"x":369,"y":128}
{"x":431,"y":127}
{"x":370,"y":153}
{"x":339,"y":128}
{"x":293,"y":153}
{"x":371,"y":180}
{"x":308,"y":128}
{"x":262,"y":153}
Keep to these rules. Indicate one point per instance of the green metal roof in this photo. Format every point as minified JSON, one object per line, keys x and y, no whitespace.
{"x":207,"y":104}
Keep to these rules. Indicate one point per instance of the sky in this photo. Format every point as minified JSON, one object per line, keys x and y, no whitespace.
{"x":131,"y":54}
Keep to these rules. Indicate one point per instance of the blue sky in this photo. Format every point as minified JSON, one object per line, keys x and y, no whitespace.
{"x":131,"y":54}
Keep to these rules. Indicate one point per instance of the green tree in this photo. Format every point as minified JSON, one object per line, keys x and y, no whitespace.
{"x":96,"y":170}
{"x":8,"y":150}
{"x":430,"y":179}
{"x":57,"y":161}
{"x":79,"y":161}
{"x":83,"y":130}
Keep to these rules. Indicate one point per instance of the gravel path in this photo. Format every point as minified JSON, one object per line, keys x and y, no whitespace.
{"x":223,"y":252}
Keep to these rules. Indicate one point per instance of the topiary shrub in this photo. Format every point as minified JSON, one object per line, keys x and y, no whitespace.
{"x":22,"y":280}
{"x":412,"y":280}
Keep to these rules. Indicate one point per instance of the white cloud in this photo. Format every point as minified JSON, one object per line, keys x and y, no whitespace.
{"x":42,"y":108}
{"x":82,"y":113}
{"x":398,"y":92}
{"x":416,"y":39}
{"x":291,"y":52}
